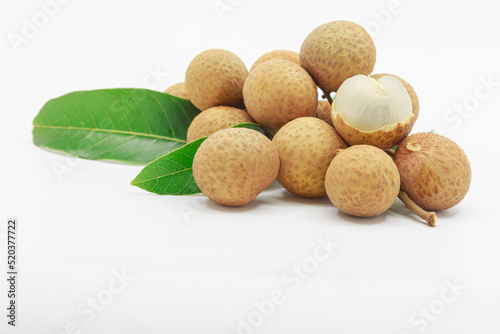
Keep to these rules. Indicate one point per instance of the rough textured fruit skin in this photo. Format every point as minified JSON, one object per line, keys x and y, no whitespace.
{"x":179,"y":90}
{"x":413,"y":95}
{"x":306,"y":147}
{"x":335,"y":51}
{"x":324,"y":112}
{"x":362,"y":181}
{"x":384,"y":138}
{"x":279,"y":91}
{"x":277,"y":54}
{"x":214,"y":78}
{"x":214,"y":119}
{"x":435,"y":172}
{"x":233,"y":166}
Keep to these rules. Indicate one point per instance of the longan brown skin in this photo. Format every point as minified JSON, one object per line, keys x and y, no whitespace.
{"x":277,"y":54}
{"x":179,"y":90}
{"x":336,"y":51}
{"x":232,"y":166}
{"x":435,"y":172}
{"x":214,"y":119}
{"x":215,"y":78}
{"x":324,"y":112}
{"x":279,"y":91}
{"x":306,"y":147}
{"x":384,"y":138}
{"x":362,"y":181}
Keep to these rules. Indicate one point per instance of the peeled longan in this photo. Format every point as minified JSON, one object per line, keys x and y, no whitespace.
{"x":232,"y":166}
{"x":214,"y":78}
{"x":372,"y":111}
{"x":413,"y":95}
{"x":214,"y":119}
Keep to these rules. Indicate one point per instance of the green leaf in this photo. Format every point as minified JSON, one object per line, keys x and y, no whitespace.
{"x":129,"y":125}
{"x":255,"y":127}
{"x":172,"y":174}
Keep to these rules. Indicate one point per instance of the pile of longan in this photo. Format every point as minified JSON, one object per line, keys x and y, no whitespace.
{"x":342,"y":147}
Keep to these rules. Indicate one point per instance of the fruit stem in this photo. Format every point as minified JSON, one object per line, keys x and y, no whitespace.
{"x":327,"y":95}
{"x":429,"y":217}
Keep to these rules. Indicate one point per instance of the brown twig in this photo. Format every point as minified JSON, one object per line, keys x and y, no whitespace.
{"x":326,"y":95}
{"x":429,"y":217}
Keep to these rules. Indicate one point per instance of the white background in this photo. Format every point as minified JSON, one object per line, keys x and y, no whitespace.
{"x":198,"y":267}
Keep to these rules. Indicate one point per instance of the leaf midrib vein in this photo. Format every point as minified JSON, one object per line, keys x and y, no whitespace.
{"x":110,"y":131}
{"x":161,"y":176}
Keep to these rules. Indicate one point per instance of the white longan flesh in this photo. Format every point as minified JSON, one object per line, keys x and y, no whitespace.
{"x":370,"y":104}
